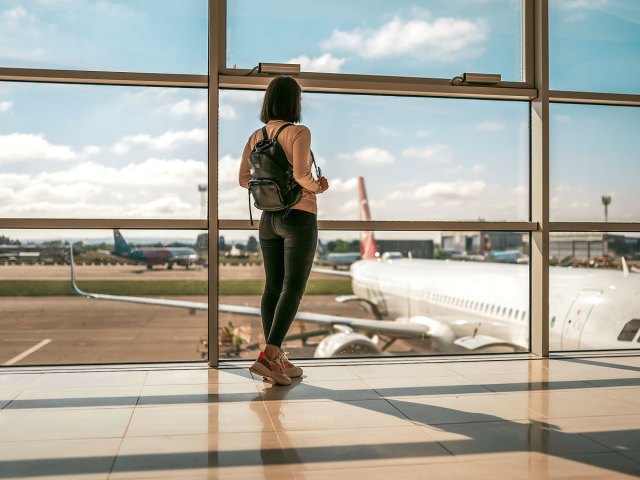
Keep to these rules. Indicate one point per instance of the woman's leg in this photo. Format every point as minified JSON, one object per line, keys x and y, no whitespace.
{"x":300,"y":234}
{"x":272,"y":247}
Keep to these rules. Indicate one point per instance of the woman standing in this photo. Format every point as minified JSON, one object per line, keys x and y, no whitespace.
{"x":288,"y":241}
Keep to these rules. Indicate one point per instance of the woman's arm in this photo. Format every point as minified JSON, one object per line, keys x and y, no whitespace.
{"x":302,"y":161}
{"x":244,"y":175}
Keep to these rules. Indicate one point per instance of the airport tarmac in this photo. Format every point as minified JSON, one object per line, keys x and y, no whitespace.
{"x":132,"y":272}
{"x":88,"y":331}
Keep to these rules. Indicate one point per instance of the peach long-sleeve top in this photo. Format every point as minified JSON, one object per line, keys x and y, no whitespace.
{"x":296,"y":144}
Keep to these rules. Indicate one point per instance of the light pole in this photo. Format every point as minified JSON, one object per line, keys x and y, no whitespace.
{"x":202,"y":188}
{"x":606,"y":200}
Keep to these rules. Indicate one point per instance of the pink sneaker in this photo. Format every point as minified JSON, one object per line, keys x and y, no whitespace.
{"x":289,"y":368}
{"x":271,"y":369}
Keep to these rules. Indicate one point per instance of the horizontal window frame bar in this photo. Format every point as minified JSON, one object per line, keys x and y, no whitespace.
{"x":379,"y":85}
{"x":93,"y":223}
{"x":85,"y":77}
{"x":594,"y":98}
{"x":395,"y":225}
{"x":593,"y":227}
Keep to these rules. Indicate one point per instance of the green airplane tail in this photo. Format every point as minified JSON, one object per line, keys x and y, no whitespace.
{"x":121,"y":247}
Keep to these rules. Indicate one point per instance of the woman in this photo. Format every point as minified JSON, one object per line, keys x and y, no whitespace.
{"x":288,"y":241}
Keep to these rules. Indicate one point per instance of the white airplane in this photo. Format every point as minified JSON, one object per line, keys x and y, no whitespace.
{"x":456,"y":307}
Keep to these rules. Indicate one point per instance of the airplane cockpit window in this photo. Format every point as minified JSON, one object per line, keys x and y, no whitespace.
{"x":630,"y":330}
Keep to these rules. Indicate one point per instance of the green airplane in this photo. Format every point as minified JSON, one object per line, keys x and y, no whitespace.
{"x":151,"y":256}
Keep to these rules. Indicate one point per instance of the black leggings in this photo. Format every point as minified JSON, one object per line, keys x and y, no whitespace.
{"x":288,"y":244}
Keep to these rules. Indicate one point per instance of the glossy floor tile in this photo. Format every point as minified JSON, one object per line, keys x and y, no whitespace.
{"x":566,"y":418}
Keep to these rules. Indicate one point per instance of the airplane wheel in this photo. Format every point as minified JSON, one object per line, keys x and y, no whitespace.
{"x":169,"y":266}
{"x":149,"y":266}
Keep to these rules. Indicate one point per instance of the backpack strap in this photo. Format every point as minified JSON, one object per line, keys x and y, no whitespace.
{"x":264,"y":133}
{"x":281,"y":129}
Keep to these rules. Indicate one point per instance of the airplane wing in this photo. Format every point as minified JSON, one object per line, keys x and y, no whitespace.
{"x":192,"y":306}
{"x":386,"y":327}
{"x":374,"y":326}
{"x":338,"y":273}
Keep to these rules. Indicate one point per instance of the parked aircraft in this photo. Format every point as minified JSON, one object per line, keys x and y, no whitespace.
{"x":334,"y":260}
{"x":454,"y":307}
{"x":151,"y":256}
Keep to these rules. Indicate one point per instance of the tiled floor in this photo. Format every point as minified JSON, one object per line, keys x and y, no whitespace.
{"x":502,"y":419}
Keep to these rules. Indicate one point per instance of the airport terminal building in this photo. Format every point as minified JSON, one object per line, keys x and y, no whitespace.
{"x":473,"y":310}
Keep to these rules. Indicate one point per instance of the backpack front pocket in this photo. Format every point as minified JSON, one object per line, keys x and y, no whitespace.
{"x":267,"y":195}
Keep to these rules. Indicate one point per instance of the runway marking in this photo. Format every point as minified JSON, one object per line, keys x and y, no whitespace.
{"x":27,"y":352}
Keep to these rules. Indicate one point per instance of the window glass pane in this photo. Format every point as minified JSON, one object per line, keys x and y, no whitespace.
{"x":593,"y":299}
{"x":101,"y":152}
{"x":401,"y":38}
{"x":162,"y":36}
{"x":594,"y":46}
{"x":421,"y":159}
{"x":434,"y":291}
{"x":594,"y":155}
{"x":43,"y":322}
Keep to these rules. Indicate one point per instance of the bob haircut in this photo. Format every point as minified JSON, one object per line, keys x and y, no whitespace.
{"x":282,"y":100}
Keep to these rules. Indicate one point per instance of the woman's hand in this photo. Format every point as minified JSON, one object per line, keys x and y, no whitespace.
{"x":324,"y":184}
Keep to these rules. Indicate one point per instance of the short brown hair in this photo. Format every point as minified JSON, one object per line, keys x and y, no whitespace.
{"x":282,"y":100}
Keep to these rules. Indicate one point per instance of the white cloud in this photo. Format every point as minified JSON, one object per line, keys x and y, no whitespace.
{"x":5,"y":107}
{"x":437,"y":154}
{"x":561,"y":118}
{"x":582,"y":4}
{"x":490,"y":126}
{"x":241,"y":96}
{"x":441,"y":39}
{"x":228,"y":167}
{"x":166,"y":141}
{"x":154,"y":188}
{"x":339,"y":185}
{"x":369,"y":156}
{"x":580,"y":204}
{"x":187,"y":107}
{"x":15,"y":14}
{"x":90,"y":150}
{"x":388,"y":132}
{"x":350,"y":206}
{"x":458,"y":190}
{"x":18,"y":147}
{"x":520,"y":190}
{"x":478,"y":168}
{"x":446,"y":193}
{"x":323,"y":63}
{"x":424,"y":133}
{"x":227,"y":112}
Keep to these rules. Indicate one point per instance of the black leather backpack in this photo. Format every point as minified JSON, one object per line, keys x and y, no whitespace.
{"x":272,"y":184}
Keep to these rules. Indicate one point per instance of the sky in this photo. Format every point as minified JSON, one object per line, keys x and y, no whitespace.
{"x":133,"y":152}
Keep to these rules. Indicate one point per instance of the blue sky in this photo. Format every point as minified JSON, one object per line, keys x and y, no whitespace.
{"x":88,"y":151}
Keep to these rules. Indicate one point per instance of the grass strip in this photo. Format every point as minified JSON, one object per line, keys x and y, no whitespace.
{"x":49,"y":288}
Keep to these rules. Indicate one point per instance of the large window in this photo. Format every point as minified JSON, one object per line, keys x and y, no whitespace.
{"x":401,"y":38}
{"x":426,"y":293}
{"x":594,"y":157}
{"x":594,"y":284}
{"x":594,"y":46}
{"x":485,"y":199}
{"x":124,"y":35}
{"x":444,"y":159}
{"x":43,"y":321}
{"x":101,"y":151}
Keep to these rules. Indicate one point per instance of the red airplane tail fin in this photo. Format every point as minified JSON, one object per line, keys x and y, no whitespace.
{"x":368,"y":247}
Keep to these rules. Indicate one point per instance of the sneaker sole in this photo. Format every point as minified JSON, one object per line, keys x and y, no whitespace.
{"x":261,"y":370}
{"x":294,"y":374}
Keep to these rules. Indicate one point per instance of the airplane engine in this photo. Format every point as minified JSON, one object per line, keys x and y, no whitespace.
{"x":346,"y":344}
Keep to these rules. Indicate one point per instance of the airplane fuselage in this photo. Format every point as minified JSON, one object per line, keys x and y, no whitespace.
{"x":588,"y":308}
